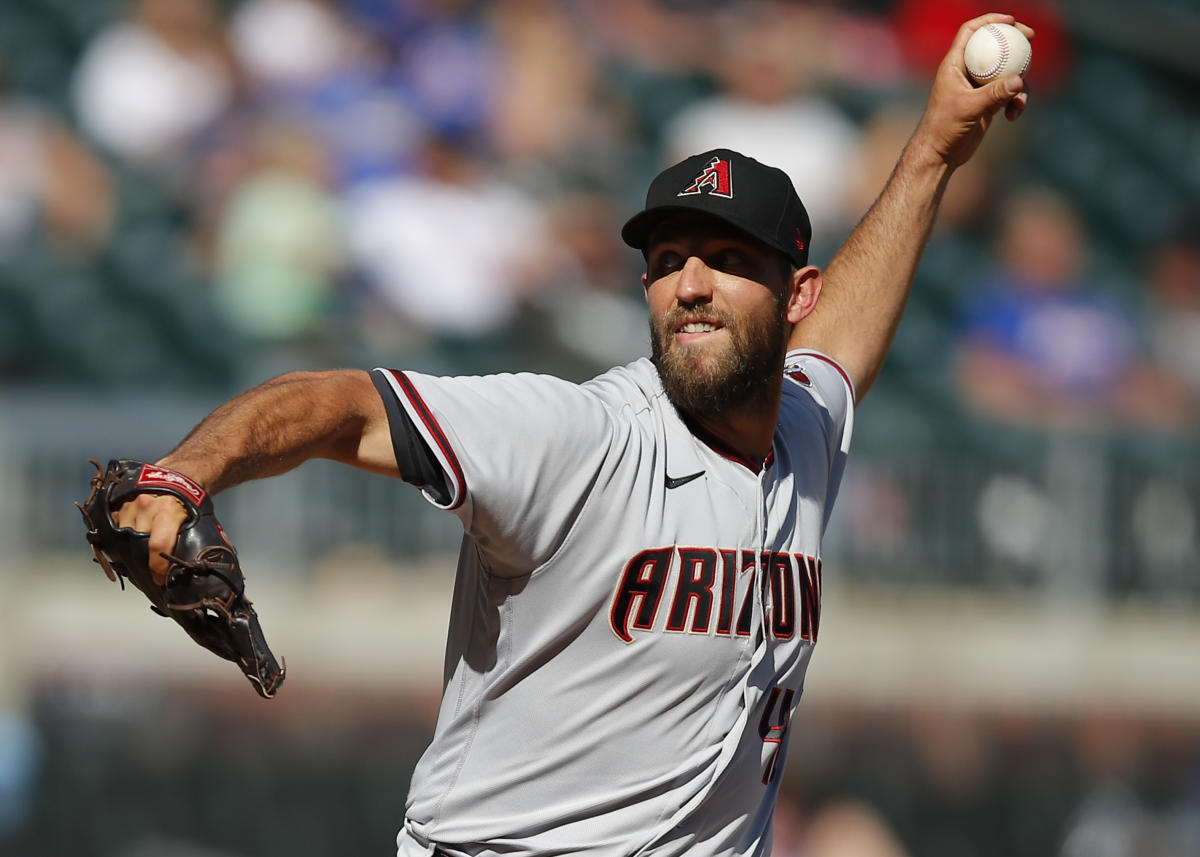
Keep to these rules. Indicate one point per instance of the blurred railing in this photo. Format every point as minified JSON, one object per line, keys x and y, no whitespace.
{"x":1076,"y":516}
{"x":1080,"y":516}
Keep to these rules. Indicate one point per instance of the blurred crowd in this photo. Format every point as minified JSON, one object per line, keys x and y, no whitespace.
{"x":205,"y":192}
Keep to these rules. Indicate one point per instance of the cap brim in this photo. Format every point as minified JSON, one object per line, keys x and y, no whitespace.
{"x":636,"y":231}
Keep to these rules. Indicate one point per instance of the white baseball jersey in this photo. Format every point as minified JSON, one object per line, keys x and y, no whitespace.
{"x":634,"y":612}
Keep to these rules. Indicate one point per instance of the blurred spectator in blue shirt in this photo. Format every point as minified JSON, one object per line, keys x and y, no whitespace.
{"x":440,"y":57}
{"x":305,"y":61}
{"x":1041,"y":345}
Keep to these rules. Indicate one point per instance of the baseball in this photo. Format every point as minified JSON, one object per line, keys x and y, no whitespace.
{"x":995,"y":51}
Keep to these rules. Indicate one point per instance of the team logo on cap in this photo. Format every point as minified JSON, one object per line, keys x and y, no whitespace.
{"x":716,"y":179}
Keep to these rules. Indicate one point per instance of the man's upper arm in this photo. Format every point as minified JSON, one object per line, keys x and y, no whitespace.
{"x":365,"y":438}
{"x":815,"y":336}
{"x":851,"y":323}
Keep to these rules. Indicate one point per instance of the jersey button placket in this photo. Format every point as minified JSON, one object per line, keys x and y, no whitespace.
{"x":760,"y":576}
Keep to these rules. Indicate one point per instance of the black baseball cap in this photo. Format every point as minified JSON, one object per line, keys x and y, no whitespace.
{"x":732,"y":187}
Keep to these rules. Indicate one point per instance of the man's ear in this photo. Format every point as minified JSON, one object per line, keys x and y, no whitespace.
{"x":805,"y":289}
{"x":646,"y":287}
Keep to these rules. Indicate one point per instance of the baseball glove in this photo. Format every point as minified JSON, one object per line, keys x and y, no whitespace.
{"x":205,"y":587}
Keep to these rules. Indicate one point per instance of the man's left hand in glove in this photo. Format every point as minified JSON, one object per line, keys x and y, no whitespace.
{"x":156,"y":528}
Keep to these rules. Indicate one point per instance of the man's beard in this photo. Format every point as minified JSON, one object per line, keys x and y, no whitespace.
{"x":703,"y":381}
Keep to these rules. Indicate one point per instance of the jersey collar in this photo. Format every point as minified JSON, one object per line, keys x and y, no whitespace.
{"x":725,"y":451}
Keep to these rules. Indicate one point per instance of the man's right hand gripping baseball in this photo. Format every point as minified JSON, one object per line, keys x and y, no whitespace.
{"x":866,"y":284}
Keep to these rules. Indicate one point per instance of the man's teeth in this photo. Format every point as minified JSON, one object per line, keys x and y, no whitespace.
{"x":698,"y":327}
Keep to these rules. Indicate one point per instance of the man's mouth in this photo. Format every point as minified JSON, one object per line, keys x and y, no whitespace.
{"x":696,"y":329}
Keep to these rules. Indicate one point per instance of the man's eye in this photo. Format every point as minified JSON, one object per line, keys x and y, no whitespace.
{"x":665,"y":263}
{"x":730,"y":259}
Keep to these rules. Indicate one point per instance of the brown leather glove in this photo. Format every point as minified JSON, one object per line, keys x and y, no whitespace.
{"x":205,"y":588}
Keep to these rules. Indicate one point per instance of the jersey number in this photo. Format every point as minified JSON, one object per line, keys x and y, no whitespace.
{"x":772,"y":733}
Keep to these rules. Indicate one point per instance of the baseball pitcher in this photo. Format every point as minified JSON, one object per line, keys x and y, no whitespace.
{"x":638,"y":592}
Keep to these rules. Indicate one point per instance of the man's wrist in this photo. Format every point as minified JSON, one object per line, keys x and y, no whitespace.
{"x":923,"y":158}
{"x":191,"y":470}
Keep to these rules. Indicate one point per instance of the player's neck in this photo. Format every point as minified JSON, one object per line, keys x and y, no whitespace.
{"x":748,"y":430}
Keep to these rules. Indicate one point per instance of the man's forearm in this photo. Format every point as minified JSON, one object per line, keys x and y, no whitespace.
{"x":278,"y":425}
{"x":868,"y":281}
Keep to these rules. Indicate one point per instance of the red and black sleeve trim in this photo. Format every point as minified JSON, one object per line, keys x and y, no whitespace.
{"x":838,"y":366}
{"x":415,"y":459}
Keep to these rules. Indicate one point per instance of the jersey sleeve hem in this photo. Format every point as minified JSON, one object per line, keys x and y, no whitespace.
{"x":809,"y":352}
{"x":405,"y":395}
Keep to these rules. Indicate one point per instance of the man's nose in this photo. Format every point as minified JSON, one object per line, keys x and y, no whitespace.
{"x":695,"y":283}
